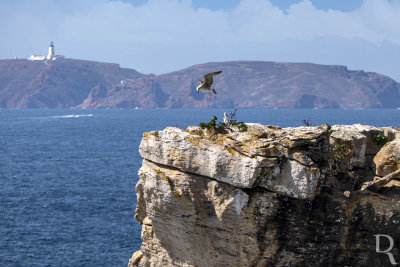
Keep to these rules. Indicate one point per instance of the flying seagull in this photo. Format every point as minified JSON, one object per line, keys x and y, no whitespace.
{"x":206,"y":85}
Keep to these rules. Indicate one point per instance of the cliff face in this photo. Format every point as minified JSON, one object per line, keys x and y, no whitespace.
{"x":242,"y":84}
{"x":258,"y":84}
{"x":59,"y":84}
{"x":269,"y":196}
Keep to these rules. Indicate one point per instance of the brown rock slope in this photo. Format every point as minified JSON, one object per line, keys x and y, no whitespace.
{"x":252,"y":84}
{"x":268,"y":196}
{"x":242,"y":84}
{"x":58,"y":84}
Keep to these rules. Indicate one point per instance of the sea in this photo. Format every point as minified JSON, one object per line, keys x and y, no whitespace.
{"x":68,"y":176}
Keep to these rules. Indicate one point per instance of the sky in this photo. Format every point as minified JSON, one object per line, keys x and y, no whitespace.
{"x":161,"y":36}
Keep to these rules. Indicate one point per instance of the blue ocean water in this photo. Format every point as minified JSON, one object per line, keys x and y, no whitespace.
{"x":67,"y":194}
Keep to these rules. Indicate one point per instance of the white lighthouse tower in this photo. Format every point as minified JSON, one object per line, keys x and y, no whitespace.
{"x":51,"y":54}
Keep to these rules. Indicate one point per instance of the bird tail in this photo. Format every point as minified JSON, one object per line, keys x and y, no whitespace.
{"x":214,"y":91}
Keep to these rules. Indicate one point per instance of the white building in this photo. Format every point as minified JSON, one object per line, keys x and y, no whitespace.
{"x":37,"y":57}
{"x":50,"y":56}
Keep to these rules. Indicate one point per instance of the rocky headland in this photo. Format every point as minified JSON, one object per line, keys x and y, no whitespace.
{"x":71,"y":83}
{"x":269,"y":196}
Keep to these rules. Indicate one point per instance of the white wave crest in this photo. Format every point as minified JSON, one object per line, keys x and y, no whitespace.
{"x":73,"y":116}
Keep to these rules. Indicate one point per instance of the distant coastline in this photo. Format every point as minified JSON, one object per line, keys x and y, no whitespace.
{"x":76,"y":83}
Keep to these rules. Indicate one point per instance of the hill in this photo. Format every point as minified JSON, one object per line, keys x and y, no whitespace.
{"x":246,"y":84}
{"x":56,"y":84}
{"x":242,"y":84}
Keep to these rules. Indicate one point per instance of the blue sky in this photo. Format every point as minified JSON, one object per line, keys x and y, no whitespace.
{"x":159,"y":36}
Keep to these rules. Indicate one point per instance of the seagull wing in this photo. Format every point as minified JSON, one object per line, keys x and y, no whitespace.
{"x":208,"y":78}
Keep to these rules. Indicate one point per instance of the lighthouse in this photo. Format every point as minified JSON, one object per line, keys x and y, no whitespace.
{"x":51,"y":54}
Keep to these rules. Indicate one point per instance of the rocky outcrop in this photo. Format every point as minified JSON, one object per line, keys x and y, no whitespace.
{"x":388,"y":158}
{"x":268,"y":196}
{"x":268,"y":157}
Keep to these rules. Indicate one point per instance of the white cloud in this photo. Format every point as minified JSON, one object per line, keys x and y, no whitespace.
{"x":381,"y":17}
{"x":162,"y":36}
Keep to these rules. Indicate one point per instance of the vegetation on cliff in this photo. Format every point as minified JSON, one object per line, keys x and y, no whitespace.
{"x":221,"y":127}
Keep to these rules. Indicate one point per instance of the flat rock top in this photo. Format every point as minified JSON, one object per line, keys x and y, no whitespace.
{"x":291,"y":160}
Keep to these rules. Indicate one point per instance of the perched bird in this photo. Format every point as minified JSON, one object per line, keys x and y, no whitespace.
{"x":226,"y":119}
{"x":206,"y":85}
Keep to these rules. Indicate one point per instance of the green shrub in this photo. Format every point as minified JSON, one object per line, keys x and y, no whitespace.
{"x":380,"y":139}
{"x":242,"y":127}
{"x":340,"y":151}
{"x":212,"y":124}
{"x":221,"y":127}
{"x":330,"y":131}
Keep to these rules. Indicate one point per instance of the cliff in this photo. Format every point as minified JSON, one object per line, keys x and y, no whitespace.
{"x":59,"y":84}
{"x":269,"y":196}
{"x":242,"y":84}
{"x":260,"y":84}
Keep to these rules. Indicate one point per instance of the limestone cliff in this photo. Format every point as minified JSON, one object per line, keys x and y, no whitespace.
{"x":269,"y":196}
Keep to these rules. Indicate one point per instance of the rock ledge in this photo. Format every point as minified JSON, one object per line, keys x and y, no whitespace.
{"x":268,"y":196}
